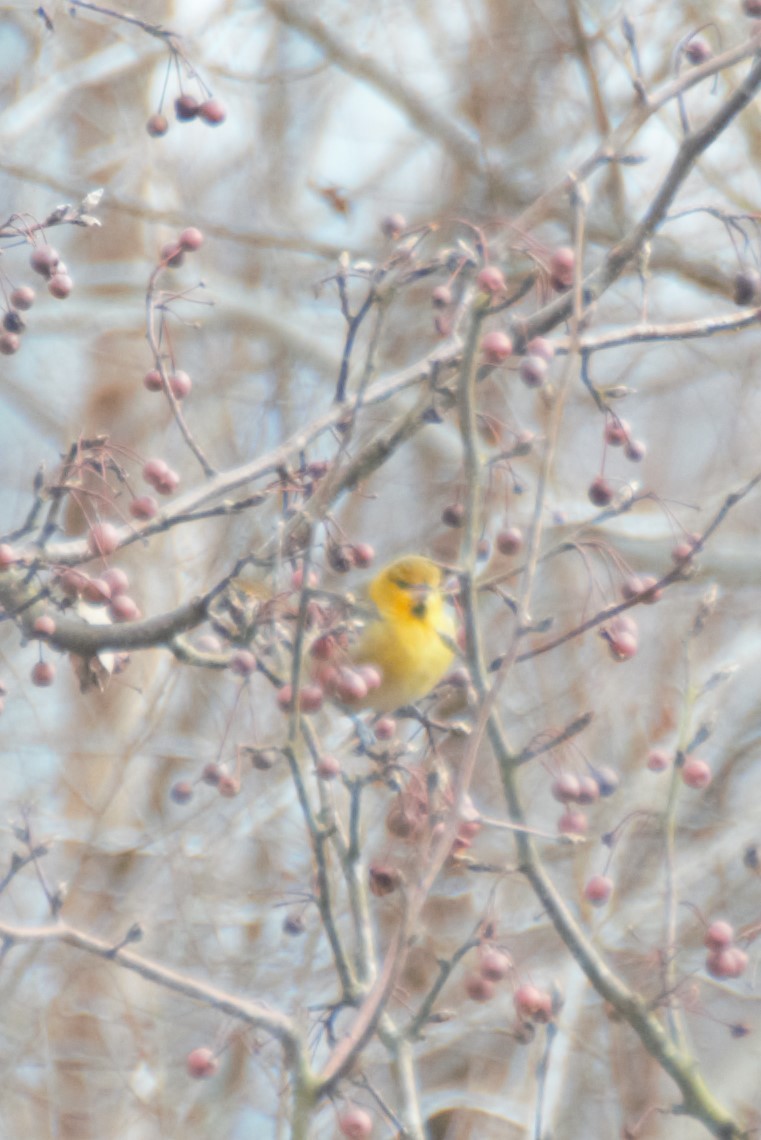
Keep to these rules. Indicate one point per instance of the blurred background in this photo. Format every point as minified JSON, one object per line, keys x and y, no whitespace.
{"x":339,"y":115}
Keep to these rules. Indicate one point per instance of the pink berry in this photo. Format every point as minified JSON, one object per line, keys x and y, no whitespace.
{"x":385,"y":728}
{"x":573,"y":823}
{"x":103,"y":539}
{"x":185,"y":108}
{"x":116,"y":579}
{"x":718,"y":935}
{"x":441,"y":297}
{"x":328,"y":767}
{"x":228,"y":786}
{"x":598,"y":890}
{"x":181,"y":384}
{"x":696,"y":773}
{"x":589,"y":791}
{"x":124,"y":608}
{"x":60,"y":286}
{"x":616,"y":433}
{"x":23,"y":297}
{"x":349,"y":685}
{"x":491,"y":279}
{"x":201,"y":1063}
{"x":496,"y":346}
{"x":181,"y":792}
{"x":144,"y":507}
{"x":96,"y":591}
{"x":43,"y":674}
{"x":212,"y":112}
{"x":364,"y":555}
{"x":393,"y":226}
{"x":494,"y":965}
{"x":540,"y":346}
{"x":658,"y":760}
{"x":154,"y":470}
{"x":509,"y":541}
{"x":243,"y":663}
{"x":7,"y":556}
{"x":157,"y":125}
{"x":383,"y":879}
{"x":635,"y":450}
{"x":172,"y":254}
{"x":566,"y":787}
{"x":44,"y":625}
{"x":562,"y":268}
{"x":191,"y":239}
{"x":355,"y":1123}
{"x":44,"y":260}
{"x":729,"y":962}
{"x":10,"y":343}
{"x":479,"y":988}
{"x":533,"y":371}
{"x":168,"y":484}
{"x":152,"y":381}
{"x":600,"y":491}
{"x":533,"y":1003}
{"x":72,"y":582}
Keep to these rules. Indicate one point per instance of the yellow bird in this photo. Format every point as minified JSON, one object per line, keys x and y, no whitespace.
{"x":412,"y":641}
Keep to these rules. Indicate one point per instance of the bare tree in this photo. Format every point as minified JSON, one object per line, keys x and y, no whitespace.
{"x":331,"y":284}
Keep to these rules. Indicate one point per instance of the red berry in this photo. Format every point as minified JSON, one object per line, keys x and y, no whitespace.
{"x":600,"y":492}
{"x":144,"y":507}
{"x":191,"y":239}
{"x":598,"y":890}
{"x":212,"y":112}
{"x":441,"y":297}
{"x":491,"y":279}
{"x":180,"y":383}
{"x":185,"y":108}
{"x":355,"y":1123}
{"x":157,"y":125}
{"x":23,"y":297}
{"x":385,"y":728}
{"x":696,"y":773}
{"x":60,"y":285}
{"x":201,"y":1063}
{"x":479,"y":988}
{"x":43,"y":674}
{"x":697,"y":50}
{"x":10,"y":343}
{"x":103,"y":539}
{"x":44,"y":260}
